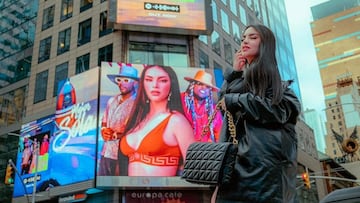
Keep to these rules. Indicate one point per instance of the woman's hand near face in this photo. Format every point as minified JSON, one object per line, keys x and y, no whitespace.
{"x":239,"y":61}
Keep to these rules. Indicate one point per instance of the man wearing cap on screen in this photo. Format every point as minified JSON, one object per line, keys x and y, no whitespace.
{"x":198,"y":105}
{"x":115,"y":118}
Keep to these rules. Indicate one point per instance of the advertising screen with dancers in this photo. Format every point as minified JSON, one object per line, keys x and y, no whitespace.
{"x":148,"y":116}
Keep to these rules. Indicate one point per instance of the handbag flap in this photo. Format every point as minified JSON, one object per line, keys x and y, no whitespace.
{"x":204,"y":161}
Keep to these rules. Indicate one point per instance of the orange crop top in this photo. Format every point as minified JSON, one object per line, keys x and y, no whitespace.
{"x":153,"y":150}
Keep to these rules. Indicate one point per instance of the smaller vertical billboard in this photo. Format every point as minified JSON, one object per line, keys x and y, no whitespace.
{"x":169,"y":16}
{"x":66,"y":140}
{"x":148,"y":116}
{"x":33,"y":156}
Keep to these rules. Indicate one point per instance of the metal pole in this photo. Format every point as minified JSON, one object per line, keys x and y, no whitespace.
{"x":333,"y":178}
{"x":36,"y":171}
{"x":336,"y":178}
{"x":22,"y":181}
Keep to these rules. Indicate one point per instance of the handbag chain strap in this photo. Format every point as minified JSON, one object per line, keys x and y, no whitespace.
{"x":231,"y":126}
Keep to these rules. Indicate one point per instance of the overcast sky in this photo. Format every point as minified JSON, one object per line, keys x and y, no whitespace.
{"x":299,"y":18}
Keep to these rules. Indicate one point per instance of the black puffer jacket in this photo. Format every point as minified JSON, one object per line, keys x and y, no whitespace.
{"x":266,"y":164}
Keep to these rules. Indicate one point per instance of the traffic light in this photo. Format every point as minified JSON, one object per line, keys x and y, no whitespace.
{"x":305,"y":177}
{"x":10,"y":175}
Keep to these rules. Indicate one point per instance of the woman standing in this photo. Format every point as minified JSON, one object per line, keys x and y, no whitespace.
{"x":265,"y":112}
{"x":158,"y":134}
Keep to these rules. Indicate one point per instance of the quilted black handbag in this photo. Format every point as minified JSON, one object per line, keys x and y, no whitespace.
{"x":212,"y":163}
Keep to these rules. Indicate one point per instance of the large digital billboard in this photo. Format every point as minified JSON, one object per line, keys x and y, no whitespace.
{"x":165,"y":16}
{"x":66,"y":141}
{"x":148,"y":116}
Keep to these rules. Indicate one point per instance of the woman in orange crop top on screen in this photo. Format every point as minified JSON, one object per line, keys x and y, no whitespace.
{"x":158,"y":134}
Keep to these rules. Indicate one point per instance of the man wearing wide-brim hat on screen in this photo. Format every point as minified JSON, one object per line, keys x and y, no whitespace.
{"x":198,"y":104}
{"x":115,"y":118}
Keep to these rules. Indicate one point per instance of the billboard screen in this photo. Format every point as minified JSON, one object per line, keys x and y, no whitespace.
{"x":66,"y":140}
{"x":169,"y":16}
{"x":148,"y":116}
{"x":34,"y":156}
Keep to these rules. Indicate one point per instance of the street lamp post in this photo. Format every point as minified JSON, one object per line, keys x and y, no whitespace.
{"x":22,"y":182}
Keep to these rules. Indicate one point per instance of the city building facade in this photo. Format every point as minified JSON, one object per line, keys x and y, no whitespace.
{"x":315,"y":121}
{"x":17,"y":34}
{"x":336,"y":39}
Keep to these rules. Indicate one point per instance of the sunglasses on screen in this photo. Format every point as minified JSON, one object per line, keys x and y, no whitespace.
{"x":123,"y":80}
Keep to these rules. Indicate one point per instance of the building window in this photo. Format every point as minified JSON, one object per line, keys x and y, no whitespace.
{"x":228,"y":52}
{"x":23,"y":68}
{"x":243,"y":15}
{"x":161,"y":54}
{"x":64,"y":41}
{"x":103,"y":29}
{"x":264,"y":13}
{"x":61,"y":73}
{"x":249,"y":3}
{"x":12,"y":106}
{"x":225,"y":22}
{"x":215,"y":42}
{"x":40,"y":86}
{"x":233,"y":7}
{"x":44,"y":49}
{"x":257,"y":9}
{"x":214,"y":11}
{"x":236,"y":32}
{"x":85,"y":5}
{"x":84,"y":35}
{"x":48,"y":18}
{"x":204,"y":59}
{"x":82,"y":63}
{"x":24,"y":39}
{"x":203,"y":38}
{"x":66,"y":9}
{"x":105,"y":54}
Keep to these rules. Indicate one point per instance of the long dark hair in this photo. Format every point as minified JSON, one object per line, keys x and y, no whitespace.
{"x":141,"y":107}
{"x":263,"y":72}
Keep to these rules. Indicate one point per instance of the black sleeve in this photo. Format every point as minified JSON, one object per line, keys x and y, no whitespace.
{"x":261,"y":110}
